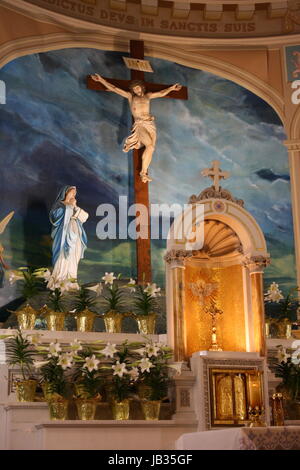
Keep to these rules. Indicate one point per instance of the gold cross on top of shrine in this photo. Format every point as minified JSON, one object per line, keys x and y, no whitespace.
{"x":216,"y":174}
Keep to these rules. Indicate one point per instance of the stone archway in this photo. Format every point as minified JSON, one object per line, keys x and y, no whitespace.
{"x":229,"y":268}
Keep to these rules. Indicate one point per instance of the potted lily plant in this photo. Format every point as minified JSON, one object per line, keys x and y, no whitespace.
{"x":54,"y":380}
{"x":21,"y":353}
{"x":284,"y":308}
{"x":145,"y":304}
{"x":154,"y":367}
{"x":121,"y":375}
{"x":85,"y":309}
{"x":87,"y":384}
{"x":113,"y":300}
{"x":54,"y":310}
{"x":30,"y":286}
{"x":288,"y":369}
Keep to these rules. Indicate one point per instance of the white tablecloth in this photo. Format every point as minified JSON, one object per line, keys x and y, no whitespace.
{"x":269,"y":438}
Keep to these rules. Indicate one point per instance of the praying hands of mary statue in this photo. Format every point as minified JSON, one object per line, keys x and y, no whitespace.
{"x":69,"y":237}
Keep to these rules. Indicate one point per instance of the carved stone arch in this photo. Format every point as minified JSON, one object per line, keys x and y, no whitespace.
{"x":231,"y":261}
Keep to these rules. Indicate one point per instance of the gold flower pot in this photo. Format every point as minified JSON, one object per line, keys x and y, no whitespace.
{"x":47,"y":390}
{"x":284,"y":328}
{"x":267,"y":328}
{"x":85,"y":320}
{"x":113,"y":321}
{"x":55,"y":320}
{"x":120,"y":409}
{"x":151,"y":410}
{"x":58,"y":408}
{"x":26,"y":317}
{"x":25,"y":390}
{"x":146,"y":323}
{"x":86,"y":408}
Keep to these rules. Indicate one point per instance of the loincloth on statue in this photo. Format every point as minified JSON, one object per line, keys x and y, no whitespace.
{"x":134,"y":140}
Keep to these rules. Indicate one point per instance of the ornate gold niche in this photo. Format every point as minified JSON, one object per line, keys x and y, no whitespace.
{"x":229,"y":297}
{"x":233,"y":391}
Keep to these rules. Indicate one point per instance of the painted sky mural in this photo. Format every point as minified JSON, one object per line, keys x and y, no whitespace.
{"x":53,"y":131}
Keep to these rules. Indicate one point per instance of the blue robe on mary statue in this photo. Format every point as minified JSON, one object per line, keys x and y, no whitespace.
{"x":69,"y":238}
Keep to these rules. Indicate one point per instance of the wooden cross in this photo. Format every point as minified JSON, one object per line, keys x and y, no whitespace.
{"x":141,"y":190}
{"x":215,"y":173}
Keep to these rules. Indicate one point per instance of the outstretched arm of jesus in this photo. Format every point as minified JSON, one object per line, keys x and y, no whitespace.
{"x":111,"y":87}
{"x":165,"y":92}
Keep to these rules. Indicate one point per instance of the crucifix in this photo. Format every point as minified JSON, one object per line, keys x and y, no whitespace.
{"x":141,"y":156}
{"x":213,"y":311}
{"x":216,"y":174}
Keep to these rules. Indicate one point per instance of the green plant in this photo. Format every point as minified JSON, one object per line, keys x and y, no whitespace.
{"x":279,"y":306}
{"x":120,"y":384}
{"x":155,"y":370}
{"x":87,"y":382}
{"x":20,"y":352}
{"x":145,"y":302}
{"x":30,"y":283}
{"x":114,"y":296}
{"x":84,"y":299}
{"x":55,"y":301}
{"x":54,"y":375}
{"x":289,"y":372}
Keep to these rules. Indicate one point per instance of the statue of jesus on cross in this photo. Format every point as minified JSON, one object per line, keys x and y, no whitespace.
{"x":143,"y":133}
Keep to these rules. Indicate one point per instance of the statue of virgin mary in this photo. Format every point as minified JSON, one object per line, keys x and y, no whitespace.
{"x":69,"y":237}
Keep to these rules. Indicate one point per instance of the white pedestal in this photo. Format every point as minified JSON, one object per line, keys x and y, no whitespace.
{"x":28,"y":427}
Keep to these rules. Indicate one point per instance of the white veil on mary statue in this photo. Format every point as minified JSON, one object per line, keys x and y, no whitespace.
{"x":69,"y":237}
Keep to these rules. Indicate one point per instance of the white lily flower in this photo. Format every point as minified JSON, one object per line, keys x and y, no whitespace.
{"x":282,"y":354}
{"x":97,"y":288}
{"x":54,"y":349}
{"x":119,"y":369}
{"x":152,"y":349}
{"x":91,"y":363}
{"x":131,"y":284}
{"x":109,"y":278}
{"x":134,"y":374}
{"x":109,"y":350}
{"x":44,"y":273}
{"x":274,"y":294}
{"x":76,"y":345}
{"x":65,"y":361}
{"x":176,"y":367}
{"x":14,"y":276}
{"x":145,"y":365}
{"x":141,"y":351}
{"x":38,"y":364}
{"x":34,"y":339}
{"x":152,"y":289}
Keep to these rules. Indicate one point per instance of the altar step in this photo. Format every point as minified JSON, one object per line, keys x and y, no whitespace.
{"x":28,"y":428}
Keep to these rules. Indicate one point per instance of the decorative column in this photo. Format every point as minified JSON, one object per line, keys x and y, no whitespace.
{"x":175,"y":298}
{"x":256,"y":266}
{"x":184,"y":396}
{"x":293,"y":147}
